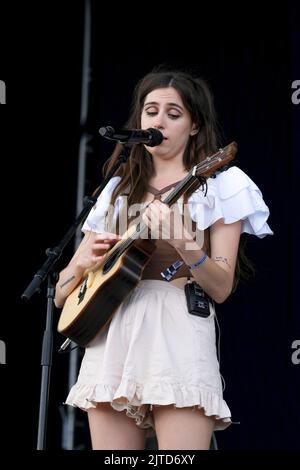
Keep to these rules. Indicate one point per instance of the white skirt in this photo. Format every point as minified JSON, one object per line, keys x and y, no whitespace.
{"x":153,"y":353}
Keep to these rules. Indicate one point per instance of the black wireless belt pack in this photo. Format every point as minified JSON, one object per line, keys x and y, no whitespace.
{"x":198,"y":302}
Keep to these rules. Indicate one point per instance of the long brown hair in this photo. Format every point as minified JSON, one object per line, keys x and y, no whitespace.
{"x":197,"y":99}
{"x":138,"y":169}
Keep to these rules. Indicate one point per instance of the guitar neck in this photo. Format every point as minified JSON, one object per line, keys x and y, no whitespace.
{"x":189,"y":182}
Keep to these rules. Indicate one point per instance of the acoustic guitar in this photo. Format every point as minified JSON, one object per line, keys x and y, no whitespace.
{"x":91,"y":305}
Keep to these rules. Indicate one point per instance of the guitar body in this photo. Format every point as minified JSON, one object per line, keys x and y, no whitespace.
{"x":92,"y":304}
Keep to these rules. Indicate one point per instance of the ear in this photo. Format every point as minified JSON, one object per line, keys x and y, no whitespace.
{"x":194,"y":130}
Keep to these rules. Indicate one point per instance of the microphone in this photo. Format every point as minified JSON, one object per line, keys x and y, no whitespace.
{"x":150,"y":137}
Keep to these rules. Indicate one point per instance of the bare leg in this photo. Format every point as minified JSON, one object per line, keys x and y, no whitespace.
{"x":182,"y":428}
{"x":113,"y":430}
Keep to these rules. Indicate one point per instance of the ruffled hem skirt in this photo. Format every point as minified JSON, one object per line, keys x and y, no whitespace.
{"x":153,"y":353}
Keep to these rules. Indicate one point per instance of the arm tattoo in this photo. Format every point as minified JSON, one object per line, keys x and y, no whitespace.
{"x":67,"y":281}
{"x":223,"y":260}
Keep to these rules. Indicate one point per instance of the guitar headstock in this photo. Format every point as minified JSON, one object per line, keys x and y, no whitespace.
{"x":211,"y":164}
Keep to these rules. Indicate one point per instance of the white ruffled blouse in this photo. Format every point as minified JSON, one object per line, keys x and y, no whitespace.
{"x":230,"y":196}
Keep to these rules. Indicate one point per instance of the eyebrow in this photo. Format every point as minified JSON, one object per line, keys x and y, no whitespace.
{"x":155,"y":103}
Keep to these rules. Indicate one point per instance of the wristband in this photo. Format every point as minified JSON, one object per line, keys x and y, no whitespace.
{"x":199,"y":262}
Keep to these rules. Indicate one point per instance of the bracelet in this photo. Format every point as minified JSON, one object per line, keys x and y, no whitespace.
{"x":199,"y":262}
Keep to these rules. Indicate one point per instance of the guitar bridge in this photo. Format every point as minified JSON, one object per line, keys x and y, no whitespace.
{"x":82,"y":291}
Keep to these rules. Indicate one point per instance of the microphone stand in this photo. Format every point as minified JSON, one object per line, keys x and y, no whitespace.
{"x":48,"y":271}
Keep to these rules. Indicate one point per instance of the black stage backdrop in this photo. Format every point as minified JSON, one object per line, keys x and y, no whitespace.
{"x":252,"y":70}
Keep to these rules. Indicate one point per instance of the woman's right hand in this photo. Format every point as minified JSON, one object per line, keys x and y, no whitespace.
{"x":93,"y":251}
{"x":90,"y":252}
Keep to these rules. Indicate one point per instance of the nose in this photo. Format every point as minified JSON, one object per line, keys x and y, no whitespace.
{"x":159,"y":121}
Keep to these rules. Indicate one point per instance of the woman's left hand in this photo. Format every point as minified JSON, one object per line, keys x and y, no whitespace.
{"x":168,"y":224}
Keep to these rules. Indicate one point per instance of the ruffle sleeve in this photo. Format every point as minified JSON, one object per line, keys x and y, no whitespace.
{"x":96,"y":220}
{"x":231,"y":196}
